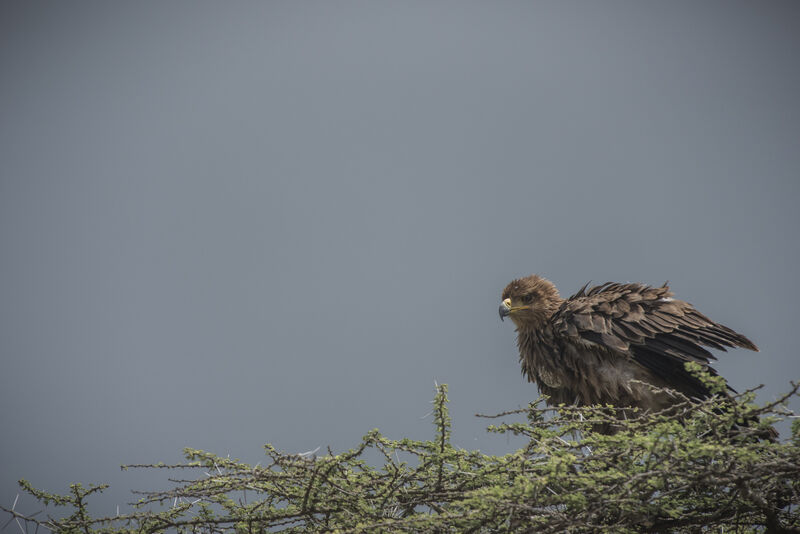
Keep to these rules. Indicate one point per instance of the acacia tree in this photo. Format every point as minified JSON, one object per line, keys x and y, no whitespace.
{"x":706,"y":466}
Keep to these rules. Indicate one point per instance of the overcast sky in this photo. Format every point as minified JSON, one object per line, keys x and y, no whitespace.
{"x":229,"y":223}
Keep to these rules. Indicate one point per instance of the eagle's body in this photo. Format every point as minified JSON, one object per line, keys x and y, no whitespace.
{"x":606,"y":344}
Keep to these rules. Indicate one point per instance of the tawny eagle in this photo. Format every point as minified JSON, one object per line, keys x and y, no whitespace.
{"x":605,"y":345}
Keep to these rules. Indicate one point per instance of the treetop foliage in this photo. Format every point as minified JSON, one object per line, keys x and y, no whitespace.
{"x":706,"y":466}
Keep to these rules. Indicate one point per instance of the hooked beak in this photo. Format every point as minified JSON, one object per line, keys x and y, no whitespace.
{"x":505,"y":308}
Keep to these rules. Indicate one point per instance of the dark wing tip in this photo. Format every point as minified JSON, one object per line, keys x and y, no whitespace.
{"x":750,"y":345}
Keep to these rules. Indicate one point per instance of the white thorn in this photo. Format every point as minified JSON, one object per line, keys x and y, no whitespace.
{"x":308,"y":453}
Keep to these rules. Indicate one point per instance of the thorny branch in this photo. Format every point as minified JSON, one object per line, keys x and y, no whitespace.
{"x":699,"y":466}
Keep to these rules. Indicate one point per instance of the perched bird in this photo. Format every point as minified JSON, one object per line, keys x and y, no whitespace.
{"x":605,"y":345}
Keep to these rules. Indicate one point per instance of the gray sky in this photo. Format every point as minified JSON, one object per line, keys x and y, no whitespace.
{"x":225,"y":224}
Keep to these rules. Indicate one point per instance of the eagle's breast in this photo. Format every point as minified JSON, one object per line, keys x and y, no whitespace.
{"x":549,"y":378}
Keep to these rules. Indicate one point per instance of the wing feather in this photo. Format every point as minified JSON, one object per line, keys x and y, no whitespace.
{"x":646,"y":324}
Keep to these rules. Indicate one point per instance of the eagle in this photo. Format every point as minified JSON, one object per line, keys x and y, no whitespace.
{"x":611,"y":343}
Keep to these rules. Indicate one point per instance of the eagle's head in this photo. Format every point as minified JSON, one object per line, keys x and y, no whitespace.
{"x":529,"y":301}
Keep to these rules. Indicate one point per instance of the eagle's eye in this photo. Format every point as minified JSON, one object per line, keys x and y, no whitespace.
{"x":526,"y":299}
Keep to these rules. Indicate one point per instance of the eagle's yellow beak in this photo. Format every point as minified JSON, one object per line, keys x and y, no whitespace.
{"x":505,"y":308}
